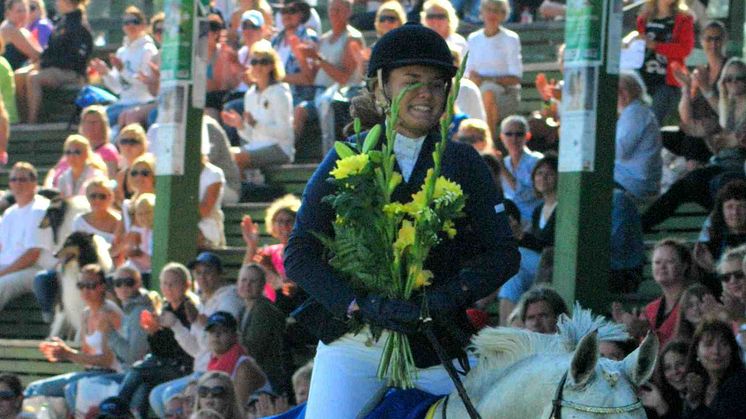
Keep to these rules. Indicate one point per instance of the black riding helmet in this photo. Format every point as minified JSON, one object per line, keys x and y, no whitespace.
{"x":411,"y":44}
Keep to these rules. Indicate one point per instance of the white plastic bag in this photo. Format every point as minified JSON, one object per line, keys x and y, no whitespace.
{"x":92,"y":391}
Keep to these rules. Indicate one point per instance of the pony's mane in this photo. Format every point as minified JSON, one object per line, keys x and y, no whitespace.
{"x":502,"y":346}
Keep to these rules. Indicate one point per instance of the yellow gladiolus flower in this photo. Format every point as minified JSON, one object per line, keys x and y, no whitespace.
{"x":444,"y":186}
{"x":450,"y":229}
{"x":350,"y":166}
{"x":405,"y":237}
{"x":423,"y":279}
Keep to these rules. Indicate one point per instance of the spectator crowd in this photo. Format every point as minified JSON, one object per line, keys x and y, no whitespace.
{"x":209,"y":345}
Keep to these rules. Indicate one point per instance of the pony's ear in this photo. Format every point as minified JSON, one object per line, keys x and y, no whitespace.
{"x":584,"y":359}
{"x":640,"y":364}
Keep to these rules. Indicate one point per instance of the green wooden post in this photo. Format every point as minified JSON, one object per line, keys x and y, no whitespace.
{"x":177,"y":149}
{"x":581,"y":260}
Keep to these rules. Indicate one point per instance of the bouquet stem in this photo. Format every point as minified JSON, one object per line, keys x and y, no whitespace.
{"x":397,"y":363}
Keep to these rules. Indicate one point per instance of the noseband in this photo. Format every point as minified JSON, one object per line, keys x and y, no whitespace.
{"x":558,"y":404}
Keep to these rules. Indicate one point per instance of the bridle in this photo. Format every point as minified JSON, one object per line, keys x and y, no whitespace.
{"x":558,"y":404}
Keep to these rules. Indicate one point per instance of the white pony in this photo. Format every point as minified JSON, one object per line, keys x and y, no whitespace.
{"x":521,"y":374}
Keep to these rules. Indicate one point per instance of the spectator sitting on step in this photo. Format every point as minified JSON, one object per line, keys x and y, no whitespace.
{"x":146,"y":113}
{"x":216,"y":392}
{"x":278,"y":221}
{"x":262,"y":326}
{"x":65,"y":60}
{"x":338,"y":60}
{"x":142,"y":173}
{"x":84,"y":165}
{"x":252,"y":29}
{"x":38,"y":24}
{"x":637,"y":163}
{"x":20,"y":47}
{"x":7,"y":89}
{"x":667,"y":28}
{"x":495,"y":63}
{"x":11,"y":398}
{"x":132,"y":143}
{"x":440,"y":16}
{"x":211,"y":190}
{"x":223,"y":69}
{"x":552,"y":9}
{"x":95,"y":353}
{"x":131,"y":59}
{"x":94,"y":126}
{"x":166,"y":360}
{"x":469,"y":102}
{"x":693,"y":306}
{"x":138,"y":242}
{"x":673,"y":271}
{"x":289,"y":44}
{"x":236,"y":32}
{"x":540,"y":309}
{"x":728,"y":229}
{"x":266,"y":125}
{"x":215,"y":295}
{"x":227,"y":355}
{"x":390,"y":15}
{"x":515,"y":173}
{"x":729,"y":149}
{"x":25,"y":246}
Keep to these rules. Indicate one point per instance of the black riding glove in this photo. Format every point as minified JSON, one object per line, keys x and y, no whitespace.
{"x":397,"y":315}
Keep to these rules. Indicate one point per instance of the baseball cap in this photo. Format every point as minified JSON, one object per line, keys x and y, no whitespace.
{"x":209,"y":259}
{"x":222,"y":318}
{"x":253,"y":16}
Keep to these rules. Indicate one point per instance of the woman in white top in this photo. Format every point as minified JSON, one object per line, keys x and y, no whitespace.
{"x":142,"y":175}
{"x":84,"y":165}
{"x":211,"y":187}
{"x":131,"y":59}
{"x":267,"y":123}
{"x":95,"y":353}
{"x":440,"y":16}
{"x":102,"y":220}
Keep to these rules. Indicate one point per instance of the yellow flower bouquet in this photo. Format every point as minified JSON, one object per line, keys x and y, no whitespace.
{"x":381,"y":246}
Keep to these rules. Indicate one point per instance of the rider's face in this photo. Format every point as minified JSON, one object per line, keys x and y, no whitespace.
{"x":421,"y":108}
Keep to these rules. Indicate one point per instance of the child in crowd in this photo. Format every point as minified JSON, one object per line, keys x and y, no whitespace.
{"x":228,"y":356}
{"x":139,"y":240}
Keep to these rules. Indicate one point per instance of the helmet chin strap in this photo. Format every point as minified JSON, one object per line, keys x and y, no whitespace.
{"x":379,"y":79}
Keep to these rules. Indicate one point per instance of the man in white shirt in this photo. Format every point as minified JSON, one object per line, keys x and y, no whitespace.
{"x":25,"y":247}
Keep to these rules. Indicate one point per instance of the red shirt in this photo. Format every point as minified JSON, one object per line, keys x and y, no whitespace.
{"x":668,"y":326}
{"x":681,"y":45}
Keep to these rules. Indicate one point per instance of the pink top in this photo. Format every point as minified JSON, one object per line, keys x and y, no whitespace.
{"x":276,"y":252}
{"x":107,"y":152}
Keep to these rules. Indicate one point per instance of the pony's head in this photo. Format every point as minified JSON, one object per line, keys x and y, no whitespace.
{"x":526,"y":374}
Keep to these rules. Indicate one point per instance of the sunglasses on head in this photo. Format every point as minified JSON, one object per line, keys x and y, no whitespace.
{"x":124,"y":282}
{"x":128,"y":141}
{"x":74,"y":152}
{"x":131,"y":21}
{"x":7,"y":395}
{"x":260,"y":61}
{"x":97,"y":196}
{"x":387,"y":18}
{"x":739,"y":275}
{"x":143,"y":173}
{"x":248,"y":26}
{"x":217,"y":391}
{"x":87,"y":285}
{"x":733,"y":79}
{"x":289,"y":11}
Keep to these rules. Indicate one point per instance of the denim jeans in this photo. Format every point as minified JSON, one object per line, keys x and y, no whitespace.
{"x":46,"y":288}
{"x":65,"y":385}
{"x":141,"y":378}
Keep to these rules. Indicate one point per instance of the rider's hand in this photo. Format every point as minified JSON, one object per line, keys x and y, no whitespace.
{"x":397,"y":315}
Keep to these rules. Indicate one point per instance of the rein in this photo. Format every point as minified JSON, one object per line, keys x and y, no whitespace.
{"x":427,"y":329}
{"x":558,"y":404}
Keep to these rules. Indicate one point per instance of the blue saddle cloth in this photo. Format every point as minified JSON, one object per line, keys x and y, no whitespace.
{"x":396,"y":404}
{"x":404,"y":404}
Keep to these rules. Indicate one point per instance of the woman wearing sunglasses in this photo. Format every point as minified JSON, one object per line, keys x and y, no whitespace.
{"x":132,"y":143}
{"x":95,"y":354}
{"x":266,"y":125}
{"x":84,"y":165}
{"x":131,"y":59}
{"x":215,"y":391}
{"x":390,"y":15}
